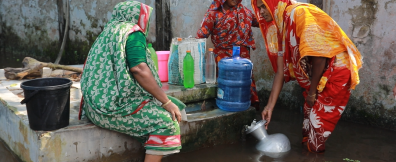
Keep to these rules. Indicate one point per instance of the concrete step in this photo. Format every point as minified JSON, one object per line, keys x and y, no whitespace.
{"x":204,"y":126}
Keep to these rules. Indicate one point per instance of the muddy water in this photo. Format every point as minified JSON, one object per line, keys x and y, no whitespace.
{"x":349,"y":140}
{"x":6,"y":155}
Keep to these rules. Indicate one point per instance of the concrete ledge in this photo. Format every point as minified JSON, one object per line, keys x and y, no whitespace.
{"x":206,"y":129}
{"x":83,"y":141}
{"x":198,"y":93}
{"x":87,"y":142}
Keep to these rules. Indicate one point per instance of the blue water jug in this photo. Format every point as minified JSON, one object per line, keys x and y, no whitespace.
{"x":234,"y":80}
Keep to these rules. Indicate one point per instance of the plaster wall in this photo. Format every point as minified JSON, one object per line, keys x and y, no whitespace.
{"x":369,"y":24}
{"x":36,"y":27}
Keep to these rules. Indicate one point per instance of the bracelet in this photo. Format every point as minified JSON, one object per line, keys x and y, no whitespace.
{"x":167,"y":103}
{"x":312,"y":95}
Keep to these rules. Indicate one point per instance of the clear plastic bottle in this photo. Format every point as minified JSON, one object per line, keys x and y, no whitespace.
{"x":174,"y":76}
{"x":154,"y":56}
{"x":210,"y":67}
{"x":188,"y":70}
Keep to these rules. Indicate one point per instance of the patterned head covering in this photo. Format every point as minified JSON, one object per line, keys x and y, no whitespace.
{"x":217,"y":4}
{"x":269,"y":30}
{"x":318,"y":34}
{"x":106,"y":83}
{"x":131,"y":12}
{"x":277,"y":9}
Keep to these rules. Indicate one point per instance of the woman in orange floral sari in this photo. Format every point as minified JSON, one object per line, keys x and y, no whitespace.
{"x":229,"y":24}
{"x":307,"y":45}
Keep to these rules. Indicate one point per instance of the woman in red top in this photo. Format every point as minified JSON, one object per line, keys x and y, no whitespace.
{"x":230,"y":24}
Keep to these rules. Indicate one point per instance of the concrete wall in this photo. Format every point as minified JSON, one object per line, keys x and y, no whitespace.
{"x":36,"y":27}
{"x":370,"y":25}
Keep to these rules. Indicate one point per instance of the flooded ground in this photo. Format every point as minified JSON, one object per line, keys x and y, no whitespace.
{"x":6,"y":155}
{"x":349,"y":140}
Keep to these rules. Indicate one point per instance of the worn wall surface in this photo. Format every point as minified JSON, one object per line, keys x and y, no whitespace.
{"x":370,"y":25}
{"x":34,"y":28}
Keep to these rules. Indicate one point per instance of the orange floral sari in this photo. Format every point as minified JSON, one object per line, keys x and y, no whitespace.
{"x":304,"y":30}
{"x":230,"y":28}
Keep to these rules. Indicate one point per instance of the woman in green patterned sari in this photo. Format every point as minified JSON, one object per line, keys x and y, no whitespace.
{"x":121,"y":88}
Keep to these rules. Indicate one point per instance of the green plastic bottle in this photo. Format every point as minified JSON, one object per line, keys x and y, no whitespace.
{"x":154,"y":56}
{"x":188,"y":70}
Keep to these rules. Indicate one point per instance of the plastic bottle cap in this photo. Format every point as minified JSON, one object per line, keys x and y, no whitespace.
{"x":179,"y":39}
{"x":188,"y":51}
{"x":236,"y":51}
{"x":210,"y":49}
{"x":150,"y":45}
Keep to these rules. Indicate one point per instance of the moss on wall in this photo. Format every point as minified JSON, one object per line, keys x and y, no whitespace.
{"x":36,"y":44}
{"x":374,"y":114}
{"x":77,"y":51}
{"x":358,"y":110}
{"x":13,"y":48}
{"x":293,"y":100}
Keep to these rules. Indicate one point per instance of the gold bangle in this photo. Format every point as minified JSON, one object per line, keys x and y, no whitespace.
{"x":167,"y":103}
{"x":312,"y":95}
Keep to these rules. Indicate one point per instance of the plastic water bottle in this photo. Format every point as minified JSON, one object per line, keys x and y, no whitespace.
{"x":174,"y":76}
{"x":233,"y":92}
{"x":210,"y":67}
{"x":188,"y":70}
{"x":154,"y":56}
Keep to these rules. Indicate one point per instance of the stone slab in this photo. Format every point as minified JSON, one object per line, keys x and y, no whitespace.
{"x":204,"y":126}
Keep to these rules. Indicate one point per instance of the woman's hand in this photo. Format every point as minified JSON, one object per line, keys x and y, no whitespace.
{"x":266,"y":115}
{"x":145,"y":78}
{"x":310,"y":99}
{"x":174,"y":110}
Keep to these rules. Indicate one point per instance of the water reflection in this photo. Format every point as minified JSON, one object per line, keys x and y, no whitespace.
{"x":276,"y":156}
{"x":6,"y":155}
{"x":349,"y":140}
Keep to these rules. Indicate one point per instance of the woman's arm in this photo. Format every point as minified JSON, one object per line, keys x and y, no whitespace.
{"x":145,"y":78}
{"x":255,"y":22}
{"x":276,"y":88}
{"x":318,"y":65}
{"x":207,"y":25}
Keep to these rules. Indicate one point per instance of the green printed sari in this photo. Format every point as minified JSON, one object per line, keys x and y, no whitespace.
{"x":113,"y":99}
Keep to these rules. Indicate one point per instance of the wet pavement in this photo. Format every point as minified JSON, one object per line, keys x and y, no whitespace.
{"x":349,"y":140}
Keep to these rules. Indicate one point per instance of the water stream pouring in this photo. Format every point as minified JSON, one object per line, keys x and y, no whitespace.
{"x":273,"y":145}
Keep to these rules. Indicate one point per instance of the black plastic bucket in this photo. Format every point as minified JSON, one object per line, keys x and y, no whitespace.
{"x":47,"y":102}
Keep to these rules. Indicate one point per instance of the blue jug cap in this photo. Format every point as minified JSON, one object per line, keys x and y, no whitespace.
{"x":236,"y":51}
